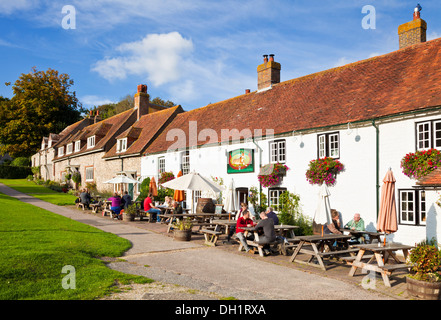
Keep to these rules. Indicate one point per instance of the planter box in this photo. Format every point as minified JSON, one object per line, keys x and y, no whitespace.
{"x":423,"y":289}
{"x":182,"y":235}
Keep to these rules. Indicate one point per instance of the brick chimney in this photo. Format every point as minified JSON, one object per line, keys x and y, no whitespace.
{"x":97,"y":117}
{"x":413,"y":32}
{"x":268,"y":73}
{"x":141,"y":101}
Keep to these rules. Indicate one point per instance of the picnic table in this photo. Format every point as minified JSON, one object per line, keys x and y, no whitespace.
{"x":373,"y":235}
{"x":286,"y":230}
{"x":381,"y":254}
{"x":319,"y":244}
{"x":220,"y":223}
{"x":255,"y":242}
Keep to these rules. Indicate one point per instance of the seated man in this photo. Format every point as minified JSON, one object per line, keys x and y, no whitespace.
{"x":149,"y":207}
{"x":356,"y":224}
{"x":267,"y":231}
{"x":177,"y":208}
{"x":335,"y":225}
{"x":272,"y":215}
{"x":85,"y":198}
{"x":244,"y":221}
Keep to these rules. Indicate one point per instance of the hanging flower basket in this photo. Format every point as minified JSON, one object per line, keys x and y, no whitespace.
{"x":272,"y":174}
{"x":166,"y":176}
{"x":417,"y":165}
{"x":324,"y":170}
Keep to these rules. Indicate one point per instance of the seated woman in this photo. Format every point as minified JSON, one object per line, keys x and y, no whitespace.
{"x":244,"y":221}
{"x":116,"y":205}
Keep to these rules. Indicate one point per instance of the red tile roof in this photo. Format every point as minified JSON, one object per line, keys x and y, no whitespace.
{"x":106,"y":129}
{"x":405,"y":80}
{"x":433,"y":179}
{"x":144,"y":130}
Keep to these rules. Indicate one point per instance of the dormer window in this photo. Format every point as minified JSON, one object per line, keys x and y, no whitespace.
{"x":77,"y":145}
{"x":121,"y":145}
{"x":61,"y":151}
{"x":69,"y":148}
{"x":91,"y":142}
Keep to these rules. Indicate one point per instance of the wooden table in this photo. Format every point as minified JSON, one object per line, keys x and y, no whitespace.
{"x":286,"y":230}
{"x":255,"y":242}
{"x":381,"y":255}
{"x":372,"y":235}
{"x":227,"y":224}
{"x":318,"y":244}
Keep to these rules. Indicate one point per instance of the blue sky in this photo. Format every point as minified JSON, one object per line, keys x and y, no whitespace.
{"x":192,"y":52}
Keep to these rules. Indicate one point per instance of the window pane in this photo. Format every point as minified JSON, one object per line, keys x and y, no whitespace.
{"x":423,"y":130}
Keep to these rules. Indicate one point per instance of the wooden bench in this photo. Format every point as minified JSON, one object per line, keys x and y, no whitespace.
{"x":211,"y":236}
{"x":338,"y":252}
{"x":96,"y":207}
{"x":350,"y":259}
{"x":389,"y":268}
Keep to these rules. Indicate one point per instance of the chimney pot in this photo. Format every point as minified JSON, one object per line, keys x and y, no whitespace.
{"x":265,"y":58}
{"x":247,"y":91}
{"x":413,"y":32}
{"x":268,"y":73}
{"x":142,"y":88}
{"x":271,"y":57}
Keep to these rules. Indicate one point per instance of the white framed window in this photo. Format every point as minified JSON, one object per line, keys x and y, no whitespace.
{"x":423,"y":135}
{"x":91,"y":142}
{"x":273,"y":197}
{"x":186,"y":162}
{"x":69,"y":148}
{"x":437,"y":134}
{"x":77,"y":146}
{"x":121,"y":145}
{"x":328,"y":145}
{"x":278,"y":151}
{"x":89,"y":173}
{"x":412,"y":207}
{"x":161,"y":165}
{"x":61,"y":151}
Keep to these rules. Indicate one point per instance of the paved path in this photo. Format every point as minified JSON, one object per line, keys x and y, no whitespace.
{"x":206,"y":270}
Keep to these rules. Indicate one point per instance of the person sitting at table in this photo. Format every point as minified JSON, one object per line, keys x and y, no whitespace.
{"x":244,"y":221}
{"x":356,"y":224}
{"x":116,"y":205}
{"x":85,"y":198}
{"x":126,"y":200}
{"x":335,"y":225}
{"x":150,"y":208}
{"x":267,"y":234}
{"x":177,"y":208}
{"x":272,"y":215}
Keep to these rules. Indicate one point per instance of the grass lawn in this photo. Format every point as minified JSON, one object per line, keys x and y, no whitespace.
{"x":36,"y":245}
{"x":40,"y":191}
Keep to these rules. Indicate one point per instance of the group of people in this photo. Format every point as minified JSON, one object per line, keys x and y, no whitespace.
{"x":356,"y":224}
{"x":168,"y":203}
{"x":265,"y":228}
{"x":118,"y":203}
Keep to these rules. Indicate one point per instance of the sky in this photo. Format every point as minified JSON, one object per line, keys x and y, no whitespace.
{"x":193,"y":52}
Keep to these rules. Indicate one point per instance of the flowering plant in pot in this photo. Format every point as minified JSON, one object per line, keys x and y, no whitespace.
{"x":274,"y":177}
{"x":324,"y":170}
{"x":425,"y":279}
{"x":418,"y":164}
{"x":166,"y":176}
{"x":182,"y":229}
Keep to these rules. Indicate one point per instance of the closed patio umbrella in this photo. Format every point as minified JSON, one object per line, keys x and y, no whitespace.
{"x":323,"y":212}
{"x":153,"y":189}
{"x":179,"y":194}
{"x":231,"y":199}
{"x":387,"y":216}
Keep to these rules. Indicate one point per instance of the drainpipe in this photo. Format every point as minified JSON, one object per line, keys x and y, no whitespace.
{"x":377,"y":165}
{"x":260,"y":166}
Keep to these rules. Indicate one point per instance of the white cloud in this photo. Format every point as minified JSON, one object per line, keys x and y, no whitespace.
{"x":433,"y":35}
{"x":341,"y":62}
{"x":92,"y":100}
{"x":7,"y":6}
{"x":158,"y":57}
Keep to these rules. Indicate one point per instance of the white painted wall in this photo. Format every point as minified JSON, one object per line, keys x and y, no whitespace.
{"x":355,"y":190}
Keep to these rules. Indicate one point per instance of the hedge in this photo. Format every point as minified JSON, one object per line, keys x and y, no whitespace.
{"x":13,"y":172}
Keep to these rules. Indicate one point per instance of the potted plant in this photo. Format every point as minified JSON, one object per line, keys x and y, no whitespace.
{"x":417,"y":165}
{"x":182,"y":229}
{"x":324,"y":170}
{"x":129,"y":213}
{"x":271,"y":178}
{"x":425,"y":278}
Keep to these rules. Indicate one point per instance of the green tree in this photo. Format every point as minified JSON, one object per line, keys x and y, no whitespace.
{"x":42,"y":104}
